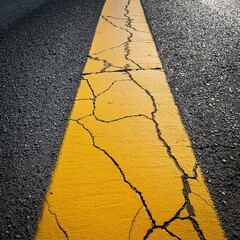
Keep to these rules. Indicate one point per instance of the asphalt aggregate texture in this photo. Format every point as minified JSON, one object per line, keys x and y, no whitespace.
{"x":44,"y":44}
{"x":12,"y":10}
{"x":43,"y":52}
{"x":198,"y":42}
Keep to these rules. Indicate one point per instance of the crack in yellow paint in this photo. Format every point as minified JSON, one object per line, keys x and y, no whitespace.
{"x":126,"y":169}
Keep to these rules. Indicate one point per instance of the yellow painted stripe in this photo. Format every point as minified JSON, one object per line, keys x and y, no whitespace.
{"x":126,"y":169}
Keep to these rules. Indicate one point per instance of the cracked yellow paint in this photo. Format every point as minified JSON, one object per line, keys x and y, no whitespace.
{"x":126,"y":169}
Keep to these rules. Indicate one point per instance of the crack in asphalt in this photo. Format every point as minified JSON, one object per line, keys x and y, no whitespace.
{"x":111,"y":87}
{"x":186,"y":187}
{"x":129,"y":25}
{"x":176,"y":216}
{"x":133,"y":221}
{"x":129,"y":38}
{"x":139,"y":194}
{"x":57,"y":221}
{"x":108,"y":49}
{"x":151,"y":230}
{"x":184,"y":176}
{"x":83,"y":99}
{"x":117,"y":18}
{"x":190,"y":208}
{"x":122,"y":70}
{"x":94,"y":99}
{"x":158,"y":131}
{"x":106,"y":63}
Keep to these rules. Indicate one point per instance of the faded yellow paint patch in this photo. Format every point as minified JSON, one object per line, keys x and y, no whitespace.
{"x":126,"y":169}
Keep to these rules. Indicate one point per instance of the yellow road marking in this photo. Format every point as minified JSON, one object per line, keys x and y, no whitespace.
{"x":126,"y":169}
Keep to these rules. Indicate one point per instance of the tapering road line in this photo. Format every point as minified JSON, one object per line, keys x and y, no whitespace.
{"x":126,"y":169}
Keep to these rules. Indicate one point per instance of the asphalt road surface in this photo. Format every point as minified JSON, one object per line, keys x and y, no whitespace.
{"x":44,"y":48}
{"x":199,"y":45}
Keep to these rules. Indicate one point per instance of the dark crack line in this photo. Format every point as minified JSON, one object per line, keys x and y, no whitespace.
{"x":133,"y":221}
{"x":129,"y":25}
{"x":130,"y":20}
{"x":172,"y":234}
{"x":186,"y":190}
{"x":185,"y":177}
{"x":190,"y":209}
{"x":139,"y":194}
{"x":197,"y":228}
{"x":123,"y":70}
{"x":109,"y":49}
{"x":168,"y":149}
{"x":129,"y":38}
{"x":195,"y":174}
{"x":94,"y":106}
{"x":110,"y":22}
{"x":114,"y":82}
{"x":115,"y":17}
{"x":125,"y":19}
{"x":56,"y":219}
{"x":83,"y":99}
{"x":126,"y":44}
{"x":166,"y":224}
{"x":106,"y":64}
{"x":81,"y":118}
{"x":121,"y":118}
{"x":186,"y":187}
{"x":151,"y":230}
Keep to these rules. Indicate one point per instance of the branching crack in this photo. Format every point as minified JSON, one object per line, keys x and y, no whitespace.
{"x":151,"y":230}
{"x":158,"y":132}
{"x":129,"y":28}
{"x":129,"y":25}
{"x":121,"y":70}
{"x":185,"y":176}
{"x":190,"y":208}
{"x":126,"y":44}
{"x":166,"y":224}
{"x":95,"y":96}
{"x":139,"y":194}
{"x":114,"y":82}
{"x":105,"y":63}
{"x":186,"y":187}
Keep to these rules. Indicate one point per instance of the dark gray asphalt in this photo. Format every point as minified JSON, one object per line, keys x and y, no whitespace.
{"x":11,"y":10}
{"x":42,"y":57}
{"x":44,"y":46}
{"x":198,"y":41}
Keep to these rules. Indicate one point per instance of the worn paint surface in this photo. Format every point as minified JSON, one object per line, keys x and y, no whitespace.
{"x":126,"y":169}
